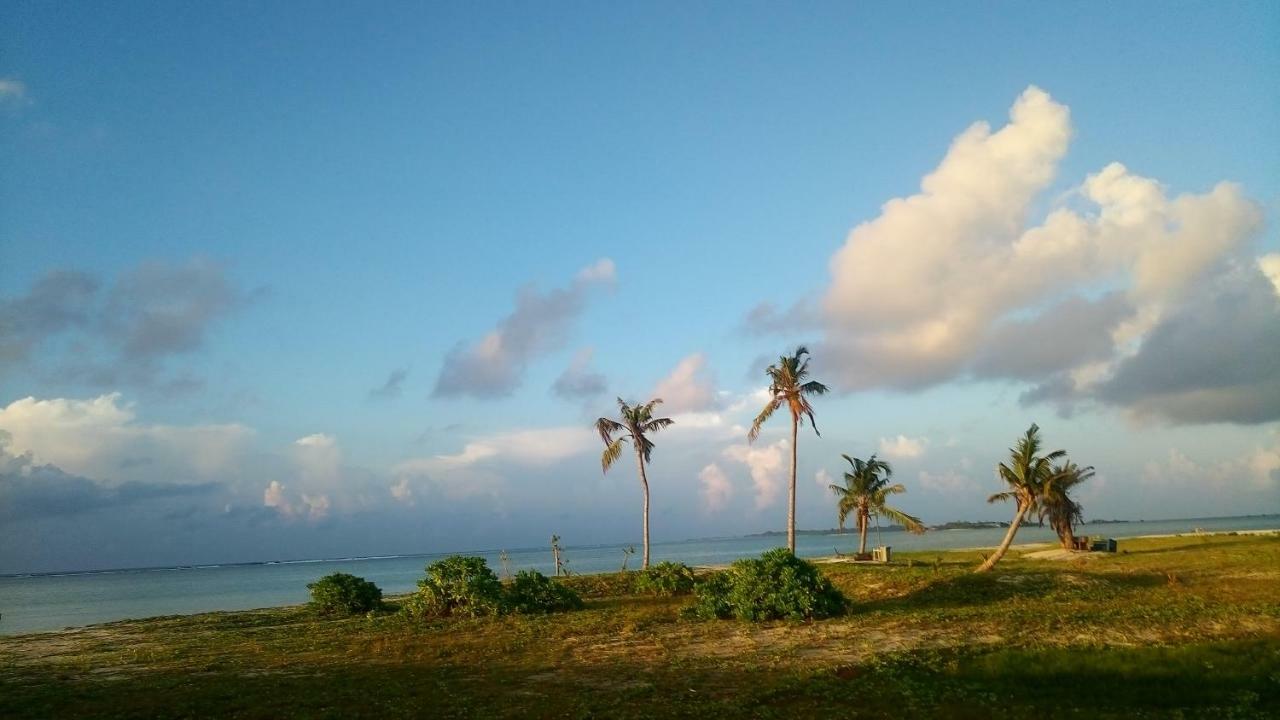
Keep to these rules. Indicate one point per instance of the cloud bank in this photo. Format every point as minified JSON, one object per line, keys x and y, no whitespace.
{"x":956,"y":282}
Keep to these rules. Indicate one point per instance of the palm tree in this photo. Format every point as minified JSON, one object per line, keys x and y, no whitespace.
{"x":637,"y":421}
{"x":787,"y":386}
{"x":1057,"y":505}
{"x":1026,"y":474}
{"x":864,"y":493}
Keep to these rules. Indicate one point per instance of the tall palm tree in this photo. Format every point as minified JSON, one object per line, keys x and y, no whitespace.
{"x":1026,"y":474}
{"x":1056,"y":503}
{"x":864,"y":493}
{"x":634,"y":425}
{"x":787,"y":386}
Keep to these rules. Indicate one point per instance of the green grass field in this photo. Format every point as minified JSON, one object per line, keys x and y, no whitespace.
{"x":1170,"y":627}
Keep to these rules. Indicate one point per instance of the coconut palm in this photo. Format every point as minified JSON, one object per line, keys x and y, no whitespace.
{"x":787,"y":386}
{"x":1056,"y":504}
{"x":1026,"y":474}
{"x":864,"y":493}
{"x":634,"y":425}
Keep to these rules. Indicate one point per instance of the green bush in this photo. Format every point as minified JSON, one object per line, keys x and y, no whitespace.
{"x":777,"y":585}
{"x":665,"y":579}
{"x":531,"y":592}
{"x":604,"y":585}
{"x":458,"y":585}
{"x":343,"y":594}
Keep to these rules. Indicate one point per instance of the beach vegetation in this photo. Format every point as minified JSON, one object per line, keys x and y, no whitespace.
{"x":865,"y":493}
{"x":775,"y":586}
{"x":790,"y":388}
{"x":634,"y":425}
{"x":531,"y":593}
{"x":665,"y":579}
{"x":344,"y":594}
{"x":1026,"y":473}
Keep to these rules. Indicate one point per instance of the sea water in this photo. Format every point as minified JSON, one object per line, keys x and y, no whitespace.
{"x":52,"y":601}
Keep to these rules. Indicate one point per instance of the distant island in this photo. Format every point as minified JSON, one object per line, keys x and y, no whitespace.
{"x":956,"y":525}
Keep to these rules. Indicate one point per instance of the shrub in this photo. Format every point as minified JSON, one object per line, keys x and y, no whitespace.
{"x":343,"y":594}
{"x":532,"y":592}
{"x":777,"y":585}
{"x":665,"y":579}
{"x":602,"y":585}
{"x":458,"y":585}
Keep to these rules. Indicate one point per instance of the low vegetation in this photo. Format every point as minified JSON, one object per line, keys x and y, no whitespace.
{"x":666,"y":579}
{"x":775,"y":586}
{"x":531,"y":592}
{"x":1185,"y":627}
{"x":344,"y":594}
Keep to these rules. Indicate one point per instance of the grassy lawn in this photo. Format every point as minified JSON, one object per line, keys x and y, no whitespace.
{"x":1170,"y":627}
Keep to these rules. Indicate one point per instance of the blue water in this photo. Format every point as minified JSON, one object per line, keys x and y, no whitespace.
{"x":51,"y":602}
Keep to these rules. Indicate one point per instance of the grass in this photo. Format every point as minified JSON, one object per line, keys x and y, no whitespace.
{"x":1170,"y":627}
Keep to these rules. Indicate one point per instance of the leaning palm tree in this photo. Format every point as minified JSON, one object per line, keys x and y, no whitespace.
{"x":864,"y":493}
{"x":1026,"y":474}
{"x":1056,"y":504}
{"x":787,"y":386}
{"x":634,"y":425}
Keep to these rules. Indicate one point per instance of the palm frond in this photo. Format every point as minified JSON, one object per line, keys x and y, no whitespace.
{"x":611,"y":453}
{"x":1003,"y":496}
{"x":762,"y":418}
{"x":607,"y":428}
{"x":910,"y":522}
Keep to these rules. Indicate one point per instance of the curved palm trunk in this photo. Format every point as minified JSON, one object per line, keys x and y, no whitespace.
{"x":791,"y":502}
{"x":1008,"y":540}
{"x":862,"y":534}
{"x":644,"y":482}
{"x":1067,"y":535}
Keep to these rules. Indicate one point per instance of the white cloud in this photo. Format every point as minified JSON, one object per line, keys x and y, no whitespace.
{"x":12,"y":90}
{"x":601,"y":271}
{"x":716,"y":488}
{"x":1270,"y":266}
{"x":402,"y":492}
{"x":494,"y":366}
{"x":929,"y":289}
{"x":689,"y":387}
{"x":473,"y":470}
{"x":1257,"y":470}
{"x":948,"y":482}
{"x":101,"y":438}
{"x":902,"y":447}
{"x":766,"y":464}
{"x":823,"y":478}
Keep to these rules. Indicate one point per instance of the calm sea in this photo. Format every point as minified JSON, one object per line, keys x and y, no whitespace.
{"x":34,"y":603}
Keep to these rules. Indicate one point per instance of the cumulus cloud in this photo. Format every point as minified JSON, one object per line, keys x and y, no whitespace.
{"x":765,"y":463}
{"x":689,"y":387}
{"x":480,"y":467}
{"x":85,"y":436}
{"x":123,"y":335}
{"x":902,"y":447}
{"x":1215,"y":358}
{"x":716,"y":488}
{"x":954,"y":281}
{"x":578,"y":381}
{"x":1256,"y":470}
{"x":494,"y":366}
{"x":392,"y":387}
{"x":305,"y":507}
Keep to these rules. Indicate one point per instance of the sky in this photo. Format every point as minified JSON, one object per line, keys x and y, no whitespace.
{"x":297,"y":280}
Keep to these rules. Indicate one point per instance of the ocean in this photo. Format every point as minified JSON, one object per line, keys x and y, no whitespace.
{"x":42,"y":602}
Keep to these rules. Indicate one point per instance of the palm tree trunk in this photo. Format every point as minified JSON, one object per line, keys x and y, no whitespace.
{"x":1004,"y":546}
{"x":862,"y":533}
{"x":1068,"y":536}
{"x":791,"y":502}
{"x":644,"y":483}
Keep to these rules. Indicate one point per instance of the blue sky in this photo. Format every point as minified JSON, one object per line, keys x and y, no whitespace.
{"x":225,"y":226}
